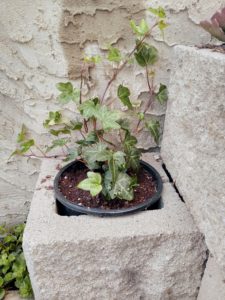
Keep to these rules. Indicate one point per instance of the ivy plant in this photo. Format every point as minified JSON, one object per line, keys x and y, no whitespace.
{"x":216,"y":25}
{"x":108,"y":137}
{"x":13,"y":270}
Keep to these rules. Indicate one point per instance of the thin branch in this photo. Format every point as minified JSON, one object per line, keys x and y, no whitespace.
{"x":150,"y":101}
{"x":85,"y":126}
{"x":42,"y":152}
{"x":83,"y":136}
{"x":108,"y":142}
{"x":119,"y":69}
{"x":120,"y":135}
{"x":42,"y":156}
{"x":81,"y":82}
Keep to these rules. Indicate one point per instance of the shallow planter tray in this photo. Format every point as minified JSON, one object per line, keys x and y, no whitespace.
{"x":153,"y":254}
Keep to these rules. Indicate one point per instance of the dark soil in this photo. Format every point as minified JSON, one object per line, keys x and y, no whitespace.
{"x":70,"y":179}
{"x":214,"y":48}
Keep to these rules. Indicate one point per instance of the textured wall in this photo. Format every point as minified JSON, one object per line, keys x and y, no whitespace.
{"x":41,"y":42}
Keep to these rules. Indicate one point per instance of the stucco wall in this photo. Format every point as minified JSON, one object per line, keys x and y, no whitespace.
{"x":41,"y":42}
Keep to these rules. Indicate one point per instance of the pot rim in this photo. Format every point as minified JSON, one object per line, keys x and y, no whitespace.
{"x":109,"y":212}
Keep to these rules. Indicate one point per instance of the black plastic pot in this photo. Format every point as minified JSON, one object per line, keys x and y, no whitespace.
{"x":67,"y":208}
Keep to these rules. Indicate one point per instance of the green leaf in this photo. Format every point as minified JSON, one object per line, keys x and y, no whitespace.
{"x":123,"y":93}
{"x":146,"y":54}
{"x":2,"y":230}
{"x":162,"y":95}
{"x":22,"y":135}
{"x":19,"y":229}
{"x":122,"y":188}
{"x":24,"y":147}
{"x":5,"y":269}
{"x":2,"y":293}
{"x":141,"y":116}
{"x":96,"y":153}
{"x":75,"y":125}
{"x":1,"y":281}
{"x":11,"y":257}
{"x":72,"y":155}
{"x":65,"y":87}
{"x":108,"y":118}
{"x":159,"y":12}
{"x":91,"y":138}
{"x":162,"y":25}
{"x":25,"y":288}
{"x":141,"y":29}
{"x":92,"y":183}
{"x":114,"y":54}
{"x":89,"y":108}
{"x":57,"y":143}
{"x":4,"y":260}
{"x":68,"y":93}
{"x":8,"y":277}
{"x":59,"y":131}
{"x":54,"y":118}
{"x":132,"y":153}
{"x":93,"y":59}
{"x":133,"y":158}
{"x":124,"y":124}
{"x":153,"y":126}
{"x":19,"y":266}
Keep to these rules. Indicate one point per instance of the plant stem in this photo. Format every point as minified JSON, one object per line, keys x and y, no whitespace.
{"x":81,"y":82}
{"x":120,"y":135}
{"x":85,"y":126}
{"x":83,"y":136}
{"x":42,"y":152}
{"x":80,"y":101}
{"x":110,"y":143}
{"x":150,"y":101}
{"x":94,"y":124}
{"x":42,"y":156}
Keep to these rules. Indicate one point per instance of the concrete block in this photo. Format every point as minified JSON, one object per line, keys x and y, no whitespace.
{"x":194,"y":140}
{"x":213,"y":282}
{"x":151,"y":255}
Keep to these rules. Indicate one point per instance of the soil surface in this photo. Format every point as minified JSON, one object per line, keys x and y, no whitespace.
{"x":70,"y":179}
{"x":214,"y":48}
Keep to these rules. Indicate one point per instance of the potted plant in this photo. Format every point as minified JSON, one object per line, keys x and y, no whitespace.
{"x":216,"y":27}
{"x":106,"y":175}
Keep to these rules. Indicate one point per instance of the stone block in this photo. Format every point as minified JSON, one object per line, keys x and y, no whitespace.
{"x":213,"y":282}
{"x":194,"y":140}
{"x":151,"y":255}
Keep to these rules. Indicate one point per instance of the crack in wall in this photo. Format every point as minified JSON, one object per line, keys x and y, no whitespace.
{"x":173,"y":182}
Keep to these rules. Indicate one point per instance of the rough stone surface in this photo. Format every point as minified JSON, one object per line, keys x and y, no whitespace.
{"x":213,"y":282}
{"x":152,"y":255}
{"x":41,"y":44}
{"x":14,"y":295}
{"x":194,"y":140}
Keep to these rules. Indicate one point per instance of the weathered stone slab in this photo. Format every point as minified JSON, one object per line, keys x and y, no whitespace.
{"x":193,"y":146}
{"x":152,"y":255}
{"x":213,"y":282}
